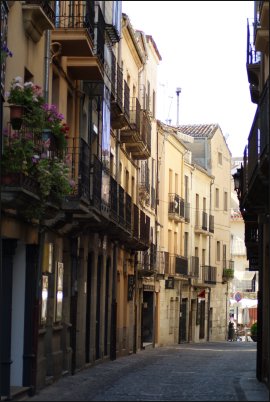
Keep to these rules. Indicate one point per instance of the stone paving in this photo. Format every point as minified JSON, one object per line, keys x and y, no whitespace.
{"x":220,"y":371}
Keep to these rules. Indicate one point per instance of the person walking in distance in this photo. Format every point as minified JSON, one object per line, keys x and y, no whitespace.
{"x":231,"y":331}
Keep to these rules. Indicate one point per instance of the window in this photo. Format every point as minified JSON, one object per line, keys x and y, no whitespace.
{"x":224,"y":255}
{"x":176,"y":183}
{"x":203,"y":256}
{"x":217,"y":198}
{"x":186,"y":189}
{"x":127,"y":181}
{"x":44,"y":300}
{"x":59,"y":291}
{"x":218,"y":250}
{"x":106,"y":129}
{"x":153,"y":173}
{"x":120,"y":173}
{"x":133,"y":189}
{"x":175,"y":243}
{"x":154,"y":104}
{"x":225,"y":201}
{"x":197,"y":211}
{"x":170,"y":180}
{"x":204,"y":204}
{"x":219,"y":158}
{"x":186,"y":245}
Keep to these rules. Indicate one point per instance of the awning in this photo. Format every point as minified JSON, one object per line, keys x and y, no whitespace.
{"x":202,"y":294}
{"x":244,"y":303}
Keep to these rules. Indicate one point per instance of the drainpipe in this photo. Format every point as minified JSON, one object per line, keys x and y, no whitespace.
{"x":41,"y":234}
{"x":47,"y":65}
{"x":209,"y":257}
{"x":114,"y":304}
{"x":1,"y":280}
{"x":115,"y":246}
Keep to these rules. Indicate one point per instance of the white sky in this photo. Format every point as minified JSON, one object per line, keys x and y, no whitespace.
{"x":203,"y":49}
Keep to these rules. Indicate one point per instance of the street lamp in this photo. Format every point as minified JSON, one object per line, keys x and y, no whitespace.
{"x":178,"y":91}
{"x":237,"y":181}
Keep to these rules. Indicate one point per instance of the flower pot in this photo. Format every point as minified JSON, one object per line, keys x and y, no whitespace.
{"x":16,"y":116}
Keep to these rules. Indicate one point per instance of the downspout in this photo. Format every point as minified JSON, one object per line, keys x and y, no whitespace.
{"x":209,"y":263}
{"x":41,"y":234}
{"x":1,"y":265}
{"x":47,"y":65}
{"x":115,"y":246}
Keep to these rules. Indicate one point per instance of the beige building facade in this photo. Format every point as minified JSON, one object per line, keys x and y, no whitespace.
{"x":133,"y":252}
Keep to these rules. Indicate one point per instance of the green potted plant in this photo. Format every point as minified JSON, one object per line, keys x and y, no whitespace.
{"x":25,"y":100}
{"x":27,"y":151}
{"x":17,"y":156}
{"x":253,"y":331}
{"x":55,"y":129}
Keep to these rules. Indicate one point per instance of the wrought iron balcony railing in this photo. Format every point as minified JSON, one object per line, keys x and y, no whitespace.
{"x":181,"y":265}
{"x":144,"y":178}
{"x":176,"y":207}
{"x":146,"y":129}
{"x":126,"y":100}
{"x":75,"y":15}
{"x":209,"y":274}
{"x":134,"y":114}
{"x":253,"y":56}
{"x":147,"y":261}
{"x":162,"y":262}
{"x":257,"y":150}
{"x":201,"y":221}
{"x":211,"y":223}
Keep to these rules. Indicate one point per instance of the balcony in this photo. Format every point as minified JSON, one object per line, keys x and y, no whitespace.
{"x":209,"y":274}
{"x":31,"y":180}
{"x":201,"y":223}
{"x":18,"y":191}
{"x":147,"y":264}
{"x":181,"y":265}
{"x":118,"y":118}
{"x":253,"y":65}
{"x":74,"y":28}
{"x":144,"y":185}
{"x":162,"y":262}
{"x":74,"y":32}
{"x":101,"y":204}
{"x":176,"y":209}
{"x":137,"y":136}
{"x":254,"y":173}
{"x":131,"y":134}
{"x":38,"y":16}
{"x":228,"y":270}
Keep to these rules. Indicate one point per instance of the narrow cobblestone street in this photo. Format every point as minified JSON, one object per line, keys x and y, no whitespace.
{"x":221,"y":371}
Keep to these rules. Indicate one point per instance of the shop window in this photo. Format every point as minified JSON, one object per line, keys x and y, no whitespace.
{"x":59,"y":291}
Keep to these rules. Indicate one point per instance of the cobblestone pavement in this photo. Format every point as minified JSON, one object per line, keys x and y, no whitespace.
{"x":220,"y":371}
